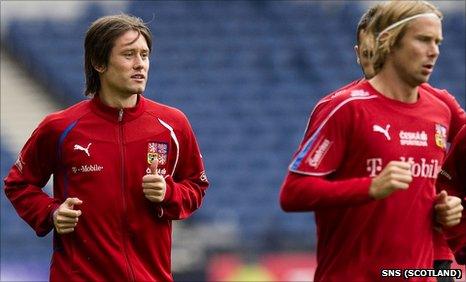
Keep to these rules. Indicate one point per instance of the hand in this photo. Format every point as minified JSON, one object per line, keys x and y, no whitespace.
{"x":448,"y":209}
{"x":395,"y":176}
{"x":65,"y":218}
{"x":154,"y":185}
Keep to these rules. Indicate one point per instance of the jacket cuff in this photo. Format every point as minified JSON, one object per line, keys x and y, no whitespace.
{"x":170,"y":187}
{"x":361,"y":189}
{"x":48,"y":224}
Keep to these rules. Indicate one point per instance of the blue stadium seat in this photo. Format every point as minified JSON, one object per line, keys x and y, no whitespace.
{"x":247,"y":74}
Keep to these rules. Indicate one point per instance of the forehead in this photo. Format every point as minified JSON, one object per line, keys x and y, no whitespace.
{"x":426,"y":26}
{"x":131,"y":39}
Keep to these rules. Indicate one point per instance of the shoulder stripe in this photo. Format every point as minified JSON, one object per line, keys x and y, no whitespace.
{"x":296,"y":162}
{"x":175,"y":139}
{"x":313,"y":173}
{"x":59,"y":155}
{"x":63,"y":136}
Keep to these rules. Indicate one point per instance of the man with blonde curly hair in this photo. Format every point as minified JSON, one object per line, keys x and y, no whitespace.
{"x":367,"y":167}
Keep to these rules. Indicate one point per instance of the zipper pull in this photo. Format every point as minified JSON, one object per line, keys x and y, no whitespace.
{"x":120,"y":115}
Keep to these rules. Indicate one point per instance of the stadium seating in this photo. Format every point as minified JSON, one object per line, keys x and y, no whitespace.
{"x":247,"y":74}
{"x":13,"y":234}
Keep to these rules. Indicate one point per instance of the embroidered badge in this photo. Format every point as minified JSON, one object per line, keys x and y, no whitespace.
{"x":157,"y":150}
{"x":441,"y":136}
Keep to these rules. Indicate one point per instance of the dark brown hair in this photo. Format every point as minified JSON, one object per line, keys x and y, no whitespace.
{"x":100,"y":38}
{"x":365,"y":20}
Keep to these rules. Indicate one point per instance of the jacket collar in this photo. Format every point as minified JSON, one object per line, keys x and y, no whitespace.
{"x":117,"y":115}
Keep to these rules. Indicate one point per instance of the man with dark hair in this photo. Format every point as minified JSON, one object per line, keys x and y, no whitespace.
{"x":123,"y":167}
{"x":362,"y":49}
{"x":368,"y":161}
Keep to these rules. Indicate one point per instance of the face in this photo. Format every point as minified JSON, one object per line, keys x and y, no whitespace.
{"x":415,"y":55}
{"x":128,"y":66}
{"x":364,"y":55}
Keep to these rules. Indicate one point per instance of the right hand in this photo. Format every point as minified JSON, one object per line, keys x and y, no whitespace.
{"x":154,"y":185}
{"x":395,"y":176}
{"x":65,"y":218}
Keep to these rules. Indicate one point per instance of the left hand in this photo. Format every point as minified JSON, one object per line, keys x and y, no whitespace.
{"x":448,"y":209}
{"x":154,"y":185}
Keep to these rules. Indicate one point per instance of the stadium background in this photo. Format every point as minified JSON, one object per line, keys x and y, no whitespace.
{"x":246,"y":73}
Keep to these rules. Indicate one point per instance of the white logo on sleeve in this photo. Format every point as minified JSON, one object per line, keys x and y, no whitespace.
{"x":81,"y":148}
{"x":316,"y":157}
{"x":384,"y":131}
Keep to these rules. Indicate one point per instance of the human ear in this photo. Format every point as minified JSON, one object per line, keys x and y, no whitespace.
{"x":356,"y":50}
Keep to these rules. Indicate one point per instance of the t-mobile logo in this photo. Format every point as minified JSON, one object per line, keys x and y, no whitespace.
{"x":421,"y":168}
{"x":374,"y":166}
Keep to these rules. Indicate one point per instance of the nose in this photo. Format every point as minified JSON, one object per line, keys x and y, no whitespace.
{"x":139,"y":62}
{"x":434,"y":50}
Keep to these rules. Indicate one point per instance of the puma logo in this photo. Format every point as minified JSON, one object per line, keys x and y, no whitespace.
{"x":384,"y":131}
{"x":81,"y":148}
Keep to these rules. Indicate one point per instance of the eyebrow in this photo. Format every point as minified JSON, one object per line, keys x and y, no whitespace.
{"x":423,"y":35}
{"x":124,"y":49}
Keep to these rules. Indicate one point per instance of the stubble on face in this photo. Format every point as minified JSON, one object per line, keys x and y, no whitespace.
{"x":128,"y":66}
{"x":414,"y":57}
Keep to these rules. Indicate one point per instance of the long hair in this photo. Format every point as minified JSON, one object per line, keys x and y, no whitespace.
{"x":389,"y":14}
{"x":100,"y":38}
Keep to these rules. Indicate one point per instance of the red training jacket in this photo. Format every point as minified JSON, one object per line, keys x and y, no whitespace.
{"x":347,"y":143}
{"x":99,"y":155}
{"x":453,"y":180}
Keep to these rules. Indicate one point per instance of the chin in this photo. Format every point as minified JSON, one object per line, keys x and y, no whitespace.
{"x":425,"y":79}
{"x":422,"y":79}
{"x":137,"y":90}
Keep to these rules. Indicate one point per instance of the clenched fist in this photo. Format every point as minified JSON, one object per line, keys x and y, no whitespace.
{"x":448,"y":209}
{"x":395,"y":176}
{"x":65,"y":218}
{"x":154,"y":185}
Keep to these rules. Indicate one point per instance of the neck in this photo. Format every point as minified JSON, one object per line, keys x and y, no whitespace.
{"x":391,"y":85}
{"x":117,"y":101}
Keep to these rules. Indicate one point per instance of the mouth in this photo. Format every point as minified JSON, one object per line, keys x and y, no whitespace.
{"x":138,"y":77}
{"x":428,"y":68}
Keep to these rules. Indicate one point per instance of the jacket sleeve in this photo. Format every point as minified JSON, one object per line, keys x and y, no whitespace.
{"x":452,"y":179}
{"x":186,"y":188}
{"x":27,"y":177}
{"x":460,"y":256}
{"x":309,"y":193}
{"x":308,"y":185}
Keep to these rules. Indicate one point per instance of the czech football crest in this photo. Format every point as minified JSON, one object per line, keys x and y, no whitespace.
{"x":157,"y":150}
{"x":441,"y":136}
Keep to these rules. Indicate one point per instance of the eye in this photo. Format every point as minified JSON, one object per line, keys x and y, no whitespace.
{"x":424,"y":39}
{"x":365,"y":54}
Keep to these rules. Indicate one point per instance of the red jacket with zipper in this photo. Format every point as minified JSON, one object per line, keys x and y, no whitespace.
{"x":99,"y":155}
